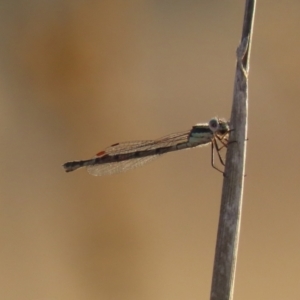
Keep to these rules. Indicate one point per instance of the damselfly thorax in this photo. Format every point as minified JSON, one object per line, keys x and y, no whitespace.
{"x":121,"y":157}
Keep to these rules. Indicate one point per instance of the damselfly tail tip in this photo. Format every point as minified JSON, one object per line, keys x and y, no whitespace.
{"x":71,"y":166}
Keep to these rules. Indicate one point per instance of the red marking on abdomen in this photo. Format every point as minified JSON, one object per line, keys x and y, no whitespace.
{"x":101,"y":153}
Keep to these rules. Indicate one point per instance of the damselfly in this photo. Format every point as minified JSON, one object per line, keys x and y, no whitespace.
{"x":122,"y":157}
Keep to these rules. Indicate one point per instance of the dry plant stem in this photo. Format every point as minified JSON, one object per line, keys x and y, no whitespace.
{"x":232,"y":194}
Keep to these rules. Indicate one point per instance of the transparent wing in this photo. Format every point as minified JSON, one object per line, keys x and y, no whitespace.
{"x":128,"y":147}
{"x":135,"y":146}
{"x":120,"y":166}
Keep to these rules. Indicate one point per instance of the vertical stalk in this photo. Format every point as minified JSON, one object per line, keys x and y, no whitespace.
{"x":233,"y":183}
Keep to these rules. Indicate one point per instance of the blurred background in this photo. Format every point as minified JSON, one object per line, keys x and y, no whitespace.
{"x":77,"y":76}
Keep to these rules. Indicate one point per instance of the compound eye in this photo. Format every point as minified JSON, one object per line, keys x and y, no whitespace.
{"x":213,"y":124}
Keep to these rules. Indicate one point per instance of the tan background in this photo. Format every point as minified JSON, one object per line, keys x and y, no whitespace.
{"x":77,"y":76}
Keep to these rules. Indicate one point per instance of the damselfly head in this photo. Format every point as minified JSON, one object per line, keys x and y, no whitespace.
{"x":217,"y":125}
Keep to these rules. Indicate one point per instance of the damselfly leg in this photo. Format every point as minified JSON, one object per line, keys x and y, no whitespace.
{"x":215,"y":146}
